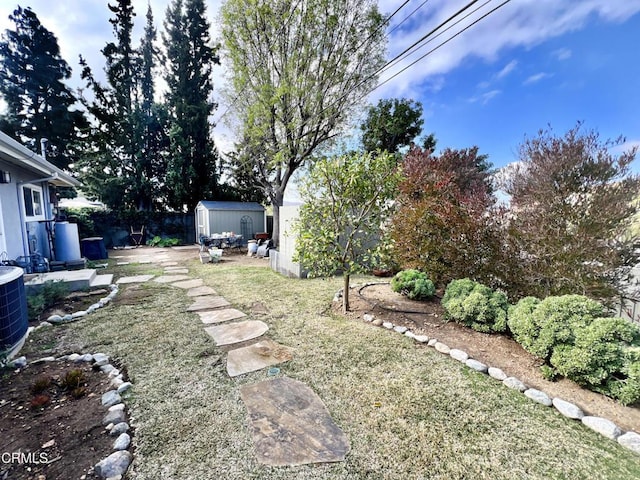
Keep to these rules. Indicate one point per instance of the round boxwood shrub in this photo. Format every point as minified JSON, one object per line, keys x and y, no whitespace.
{"x":476,"y":306}
{"x":540,"y":325}
{"x":414,"y":284}
{"x":604,"y":357}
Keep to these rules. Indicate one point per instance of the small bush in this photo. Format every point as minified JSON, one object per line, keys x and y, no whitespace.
{"x":73,"y":379}
{"x":40,"y":385}
{"x":414,"y":284}
{"x":548,"y":373}
{"x":158,"y":241}
{"x":540,"y":326}
{"x":603,"y":358}
{"x":50,"y":294}
{"x":40,"y":401}
{"x":476,"y":306}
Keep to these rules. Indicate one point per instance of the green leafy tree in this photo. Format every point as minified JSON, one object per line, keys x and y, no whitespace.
{"x":347,"y":200}
{"x":441,"y":225}
{"x":571,"y":202}
{"x":193,"y":170}
{"x":297,"y":72}
{"x":39,"y":104}
{"x":391,"y":124}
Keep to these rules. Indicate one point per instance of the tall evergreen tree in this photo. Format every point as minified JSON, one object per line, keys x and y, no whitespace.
{"x":192,"y":172}
{"x":39,"y":104}
{"x":126,"y":166}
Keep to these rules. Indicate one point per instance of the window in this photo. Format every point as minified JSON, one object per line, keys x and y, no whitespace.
{"x":33,"y":201}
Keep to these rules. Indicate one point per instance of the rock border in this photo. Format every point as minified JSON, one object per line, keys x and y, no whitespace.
{"x":603,"y":426}
{"x":115,"y":465}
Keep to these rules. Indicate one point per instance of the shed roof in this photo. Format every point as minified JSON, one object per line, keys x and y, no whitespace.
{"x":231,"y":206}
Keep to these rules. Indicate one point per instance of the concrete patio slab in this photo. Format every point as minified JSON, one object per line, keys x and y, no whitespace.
{"x":187,"y":284}
{"x":219,"y":316}
{"x":134,"y":279}
{"x":200,"y":291}
{"x":169,"y":264}
{"x":257,"y":356}
{"x":290,"y":425}
{"x":237,"y":332}
{"x":207,"y":303}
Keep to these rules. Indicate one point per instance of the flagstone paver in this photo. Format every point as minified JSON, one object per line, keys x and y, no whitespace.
{"x":171,"y":278}
{"x":200,"y":291}
{"x":135,"y":279}
{"x":254,"y":357}
{"x":176,"y":270}
{"x":237,"y":332}
{"x":208,"y":303}
{"x":290,"y":424}
{"x":168,"y":264}
{"x":219,"y":316}
{"x":187,"y":284}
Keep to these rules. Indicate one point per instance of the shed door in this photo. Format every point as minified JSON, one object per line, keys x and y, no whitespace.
{"x":201,"y":228}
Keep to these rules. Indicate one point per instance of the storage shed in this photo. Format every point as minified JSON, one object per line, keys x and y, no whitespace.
{"x":243,"y":218}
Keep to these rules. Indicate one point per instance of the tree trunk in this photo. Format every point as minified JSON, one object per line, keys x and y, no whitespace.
{"x":276,"y":204}
{"x":345,"y":294}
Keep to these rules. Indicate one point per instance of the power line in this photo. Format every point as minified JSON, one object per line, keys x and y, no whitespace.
{"x":407,"y":17}
{"x":441,"y":44}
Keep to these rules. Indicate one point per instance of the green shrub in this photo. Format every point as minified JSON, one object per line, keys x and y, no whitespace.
{"x":520,"y":321}
{"x":414,"y":284}
{"x":540,"y":326}
{"x":50,"y":294}
{"x":476,"y":306}
{"x":158,"y":241}
{"x":603,"y":358}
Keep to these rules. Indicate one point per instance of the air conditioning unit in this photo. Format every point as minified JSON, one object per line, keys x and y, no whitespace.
{"x":14,"y":321}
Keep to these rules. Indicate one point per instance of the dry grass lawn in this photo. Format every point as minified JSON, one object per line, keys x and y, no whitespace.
{"x":408,"y":411}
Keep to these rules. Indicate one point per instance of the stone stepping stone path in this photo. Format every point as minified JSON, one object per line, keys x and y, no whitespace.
{"x":219,"y":316}
{"x":176,"y":271}
{"x":135,"y":279}
{"x":290,"y":424}
{"x":256,"y":357}
{"x":237,"y":332}
{"x":201,"y":291}
{"x":208,"y":302}
{"x":171,"y":278}
{"x":188,"y":284}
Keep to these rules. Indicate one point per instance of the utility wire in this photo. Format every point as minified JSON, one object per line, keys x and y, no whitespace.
{"x":407,"y":17}
{"x":428,"y":41}
{"x":441,"y":44}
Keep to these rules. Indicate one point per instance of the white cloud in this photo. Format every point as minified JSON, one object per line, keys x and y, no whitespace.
{"x":536,"y":78}
{"x":562,"y":54}
{"x":486,"y":97}
{"x":508,"y":68}
{"x":525,"y":23}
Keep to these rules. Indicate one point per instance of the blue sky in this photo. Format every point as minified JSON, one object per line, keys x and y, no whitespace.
{"x":529,"y":64}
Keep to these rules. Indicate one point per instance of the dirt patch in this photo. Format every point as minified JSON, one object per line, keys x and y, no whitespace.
{"x":500,"y":351}
{"x":51,"y":421}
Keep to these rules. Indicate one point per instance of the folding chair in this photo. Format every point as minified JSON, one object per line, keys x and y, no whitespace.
{"x":137,"y":236}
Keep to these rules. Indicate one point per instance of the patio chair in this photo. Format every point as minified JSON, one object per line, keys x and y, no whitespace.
{"x":137,"y":236}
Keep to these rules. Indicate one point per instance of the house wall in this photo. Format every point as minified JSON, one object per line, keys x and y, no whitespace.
{"x":15,"y":232}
